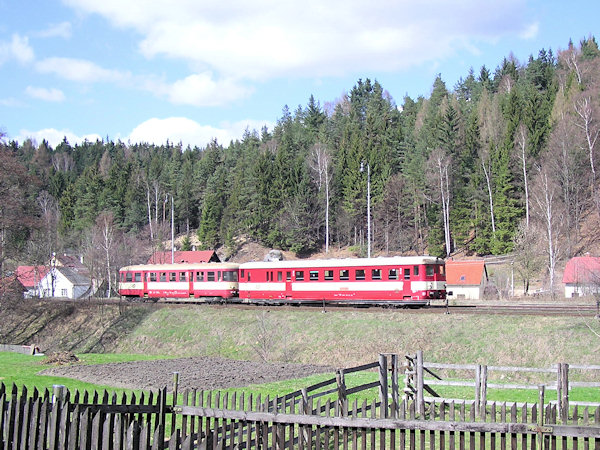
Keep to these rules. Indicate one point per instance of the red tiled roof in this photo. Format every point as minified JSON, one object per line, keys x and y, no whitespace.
{"x":29,"y":276}
{"x":465,"y":272}
{"x":582,"y":270}
{"x":184,"y":257}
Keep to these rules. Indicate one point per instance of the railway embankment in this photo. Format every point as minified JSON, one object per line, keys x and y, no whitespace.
{"x":336,"y":337}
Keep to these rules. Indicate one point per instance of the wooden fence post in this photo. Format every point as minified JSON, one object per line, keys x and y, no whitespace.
{"x":562,"y":394}
{"x":175,"y":394}
{"x":395,"y":387}
{"x":483,"y":395}
{"x":57,"y":401}
{"x":420,"y":384}
{"x":383,"y":385}
{"x":540,"y":418}
{"x":478,"y":386}
{"x":341,"y":386}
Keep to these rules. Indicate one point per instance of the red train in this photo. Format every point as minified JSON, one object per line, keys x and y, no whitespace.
{"x":360,"y":281}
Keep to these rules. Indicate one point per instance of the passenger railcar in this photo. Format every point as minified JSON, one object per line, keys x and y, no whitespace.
{"x":179,"y":280}
{"x":392,"y":280}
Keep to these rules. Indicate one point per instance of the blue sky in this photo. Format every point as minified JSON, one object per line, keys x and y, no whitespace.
{"x":194,"y":70}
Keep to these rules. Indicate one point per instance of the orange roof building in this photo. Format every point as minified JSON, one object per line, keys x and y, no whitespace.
{"x":466,"y":279}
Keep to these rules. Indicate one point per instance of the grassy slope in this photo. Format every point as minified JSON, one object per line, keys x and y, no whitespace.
{"x":346,"y":338}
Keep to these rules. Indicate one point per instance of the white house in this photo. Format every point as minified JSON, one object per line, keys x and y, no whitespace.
{"x":65,"y":282}
{"x":582,"y":276}
{"x":466,"y":279}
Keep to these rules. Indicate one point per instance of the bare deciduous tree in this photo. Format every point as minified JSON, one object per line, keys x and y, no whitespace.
{"x":549,"y":212}
{"x":320,"y":163}
{"x":439,"y":168}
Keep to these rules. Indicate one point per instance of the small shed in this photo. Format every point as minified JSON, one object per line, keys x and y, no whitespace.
{"x":582,"y":276}
{"x":180,"y":257}
{"x":466,"y":279}
{"x":30,"y":277}
{"x":65,"y":282}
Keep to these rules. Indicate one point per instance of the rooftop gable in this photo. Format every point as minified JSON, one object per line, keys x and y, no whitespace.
{"x":582,"y":270}
{"x":184,"y":257}
{"x":469,"y":272}
{"x":30,"y":276}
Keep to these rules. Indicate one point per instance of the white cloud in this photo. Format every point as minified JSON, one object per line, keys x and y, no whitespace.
{"x":49,"y":95}
{"x":54,"y":137}
{"x":17,"y":48}
{"x":63,"y":30}
{"x":189,"y":132}
{"x":79,"y":70}
{"x":202,"y":90}
{"x":267,"y":39}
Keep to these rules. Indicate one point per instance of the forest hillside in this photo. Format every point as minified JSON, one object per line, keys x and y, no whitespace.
{"x":504,"y":162}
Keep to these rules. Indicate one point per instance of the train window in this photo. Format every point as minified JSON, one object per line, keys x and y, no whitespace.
{"x":407,"y":274}
{"x":279,"y":276}
{"x":242,"y":274}
{"x":393,"y":274}
{"x":152,"y":276}
{"x":172,"y":276}
{"x":210,"y":276}
{"x":229,"y":275}
{"x":442,"y":270}
{"x":299,"y":275}
{"x":329,"y":275}
{"x":313,"y":275}
{"x":128,"y":276}
{"x":249,"y":275}
{"x":415,"y":270}
{"x":182,"y":276}
{"x":344,"y":274}
{"x":219,"y":276}
{"x":268,"y":276}
{"x":429,"y":271}
{"x":138,"y":277}
{"x":288,"y":276}
{"x":376,"y":274}
{"x":162,"y":276}
{"x":359,"y":274}
{"x":199,"y":276}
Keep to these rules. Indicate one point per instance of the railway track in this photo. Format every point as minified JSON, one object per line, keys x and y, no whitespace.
{"x":503,"y":308}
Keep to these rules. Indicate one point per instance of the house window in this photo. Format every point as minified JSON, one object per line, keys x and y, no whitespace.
{"x":63,"y":293}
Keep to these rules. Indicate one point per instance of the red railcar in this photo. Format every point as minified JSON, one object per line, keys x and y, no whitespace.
{"x":179,"y":280}
{"x":395,"y":280}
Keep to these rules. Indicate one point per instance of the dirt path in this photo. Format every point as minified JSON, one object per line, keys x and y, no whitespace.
{"x":198,"y":372}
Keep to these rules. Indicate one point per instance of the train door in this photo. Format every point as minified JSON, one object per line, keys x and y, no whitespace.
{"x":288,"y":284}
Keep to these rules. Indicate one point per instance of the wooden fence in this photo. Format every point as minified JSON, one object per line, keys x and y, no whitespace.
{"x":323,"y":416}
